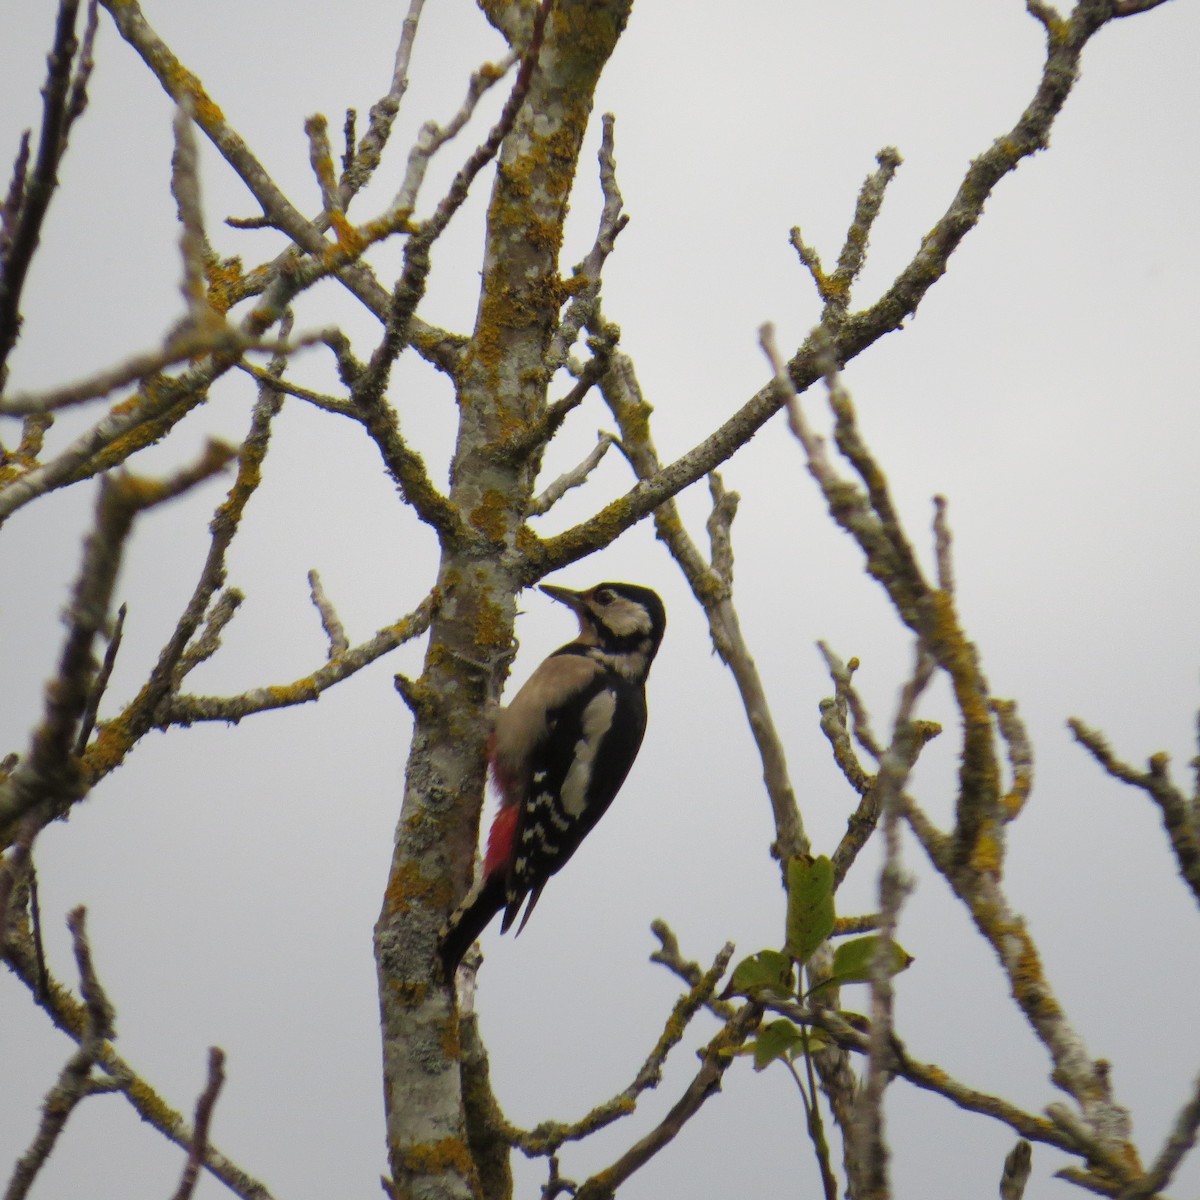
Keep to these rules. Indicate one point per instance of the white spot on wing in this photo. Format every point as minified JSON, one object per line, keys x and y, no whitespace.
{"x":597,"y":720}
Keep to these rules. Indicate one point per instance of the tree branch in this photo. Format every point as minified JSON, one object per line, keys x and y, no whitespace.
{"x":70,"y":1016}
{"x":1177,"y":815}
{"x":715,"y":1059}
{"x":546,"y":1139}
{"x":64,"y":97}
{"x":49,"y":779}
{"x":859,"y":330}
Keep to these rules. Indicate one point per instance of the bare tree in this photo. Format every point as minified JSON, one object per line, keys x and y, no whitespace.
{"x":540,"y":345}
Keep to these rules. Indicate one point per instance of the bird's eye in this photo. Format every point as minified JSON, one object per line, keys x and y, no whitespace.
{"x":605,"y":596}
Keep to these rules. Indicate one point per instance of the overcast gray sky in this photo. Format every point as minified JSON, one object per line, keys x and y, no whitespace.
{"x":1047,"y":387}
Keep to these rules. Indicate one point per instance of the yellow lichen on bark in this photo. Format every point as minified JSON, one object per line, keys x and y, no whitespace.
{"x":409,"y":886}
{"x":433,"y":1158}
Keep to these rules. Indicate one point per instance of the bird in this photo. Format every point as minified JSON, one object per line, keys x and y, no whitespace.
{"x":559,"y":753}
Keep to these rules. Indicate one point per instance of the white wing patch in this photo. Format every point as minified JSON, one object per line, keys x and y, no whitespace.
{"x":597,"y":720}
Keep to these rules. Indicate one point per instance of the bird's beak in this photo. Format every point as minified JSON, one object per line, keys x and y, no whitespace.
{"x":573,"y":600}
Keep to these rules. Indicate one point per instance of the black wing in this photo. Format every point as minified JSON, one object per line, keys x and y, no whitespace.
{"x":576,"y":771}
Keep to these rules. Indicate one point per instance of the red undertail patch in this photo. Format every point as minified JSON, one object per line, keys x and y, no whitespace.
{"x":500,"y":840}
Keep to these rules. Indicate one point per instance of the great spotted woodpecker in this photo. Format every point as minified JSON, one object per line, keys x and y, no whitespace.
{"x":560,"y":752}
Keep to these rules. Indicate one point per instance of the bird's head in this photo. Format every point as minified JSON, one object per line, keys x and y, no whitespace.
{"x":624,"y":621}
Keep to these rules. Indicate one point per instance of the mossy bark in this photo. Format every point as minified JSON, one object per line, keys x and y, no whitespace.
{"x":501,"y":383}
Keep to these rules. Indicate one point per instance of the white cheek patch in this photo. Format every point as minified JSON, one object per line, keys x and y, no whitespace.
{"x":626,"y":619}
{"x":597,"y":720}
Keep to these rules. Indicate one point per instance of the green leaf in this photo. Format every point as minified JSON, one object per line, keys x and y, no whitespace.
{"x":852,"y":959}
{"x":810,"y":916}
{"x":768,"y":971}
{"x":780,"y":1039}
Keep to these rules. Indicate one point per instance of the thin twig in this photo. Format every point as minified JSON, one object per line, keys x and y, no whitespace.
{"x":1017,"y":1167}
{"x":184,"y":709}
{"x":943,"y":542}
{"x":183,"y":345}
{"x":208,"y":641}
{"x":867,"y":1133}
{"x":12,"y":867}
{"x":49,"y":778}
{"x":330,"y":621}
{"x":69,"y":1015}
{"x":96,"y":693}
{"x":1020,"y":755}
{"x":432,"y":136}
{"x":668,"y":955}
{"x":714,"y":1059}
{"x":860,"y":329}
{"x":1179,"y":1142}
{"x":193,"y":242}
{"x":576,"y":477}
{"x":64,"y":97}
{"x":331,"y":404}
{"x":1177,"y":815}
{"x":204,"y":1110}
{"x":582,"y":309}
{"x":712,"y":585}
{"x":360,"y":165}
{"x":74,"y":1082}
{"x":548,"y":1137}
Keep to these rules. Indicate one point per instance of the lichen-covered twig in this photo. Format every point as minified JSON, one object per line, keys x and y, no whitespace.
{"x":96,"y":693}
{"x":75,"y":1081}
{"x":182,"y":345}
{"x":335,"y":631}
{"x":361,"y":164}
{"x":144,"y":419}
{"x":576,"y":477}
{"x":1179,"y":1141}
{"x":115,"y":739}
{"x":868,"y":515}
{"x":1018,"y":1164}
{"x":587,"y":274}
{"x":669,"y":955}
{"x":64,"y":97}
{"x":714,"y":1061}
{"x":432,"y":136}
{"x":845,"y":720}
{"x":868,"y":1147}
{"x":835,"y":289}
{"x":321,"y":400}
{"x":208,"y":641}
{"x":712,"y":585}
{"x":193,"y":241}
{"x":1020,"y":756}
{"x":118,"y":737}
{"x":1178,"y":816}
{"x":410,"y":287}
{"x":204,"y":1110}
{"x":50,"y":777}
{"x":277,"y":282}
{"x":864,"y":327}
{"x":69,"y":1015}
{"x":971,"y":858}
{"x":13,"y":867}
{"x":547,"y":1138}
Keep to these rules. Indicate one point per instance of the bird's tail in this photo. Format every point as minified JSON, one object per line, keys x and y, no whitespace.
{"x":469,"y":920}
